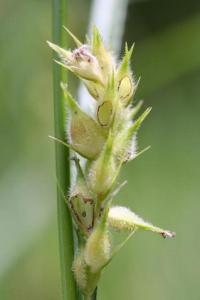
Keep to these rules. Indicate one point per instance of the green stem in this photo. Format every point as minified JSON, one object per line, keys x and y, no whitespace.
{"x":94,"y":296}
{"x":65,"y":228}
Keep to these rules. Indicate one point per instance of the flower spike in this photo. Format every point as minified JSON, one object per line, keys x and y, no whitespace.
{"x":106,"y":140}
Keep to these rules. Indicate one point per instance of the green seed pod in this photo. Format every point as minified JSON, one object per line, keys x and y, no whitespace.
{"x":103,"y":171}
{"x":97,"y":251}
{"x":83,"y":130}
{"x":79,"y":268}
{"x":98,"y":247}
{"x":81,"y":202}
{"x":86,"y":280}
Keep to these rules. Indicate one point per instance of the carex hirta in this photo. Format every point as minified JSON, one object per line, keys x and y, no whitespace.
{"x":107,"y":141}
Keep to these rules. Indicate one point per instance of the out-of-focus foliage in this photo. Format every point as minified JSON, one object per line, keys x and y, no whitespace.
{"x":167,"y":187}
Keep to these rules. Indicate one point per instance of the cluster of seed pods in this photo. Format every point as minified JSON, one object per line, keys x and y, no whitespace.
{"x":107,"y":141}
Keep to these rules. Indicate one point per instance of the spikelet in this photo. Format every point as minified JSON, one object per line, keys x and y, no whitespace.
{"x":84,"y":130}
{"x":79,"y":268}
{"x":122,"y":218}
{"x":103,"y":170}
{"x":98,"y":246}
{"x":81,"y":202}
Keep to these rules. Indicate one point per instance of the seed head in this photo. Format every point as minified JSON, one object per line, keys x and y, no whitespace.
{"x":107,"y":140}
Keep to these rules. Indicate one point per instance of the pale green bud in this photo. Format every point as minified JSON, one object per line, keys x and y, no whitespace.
{"x":83,"y":130}
{"x":97,"y":251}
{"x":81,"y":202}
{"x":79,"y":268}
{"x":86,"y":280}
{"x":122,"y":218}
{"x":98,"y":247}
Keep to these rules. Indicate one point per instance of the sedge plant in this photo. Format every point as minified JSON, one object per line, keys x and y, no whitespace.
{"x":106,"y":140}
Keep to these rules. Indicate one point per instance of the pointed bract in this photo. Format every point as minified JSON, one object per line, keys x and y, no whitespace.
{"x":77,"y":42}
{"x":99,"y":51}
{"x":126,"y":84}
{"x":64,"y":54}
{"x":135,"y":109}
{"x":125,"y":64}
{"x":125,"y":144}
{"x":136,"y":125}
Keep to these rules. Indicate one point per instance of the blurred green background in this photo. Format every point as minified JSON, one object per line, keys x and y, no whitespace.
{"x":163,"y":183}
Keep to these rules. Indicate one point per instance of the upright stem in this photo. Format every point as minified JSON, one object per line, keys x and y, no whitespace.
{"x":65,"y":228}
{"x":94,"y":296}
